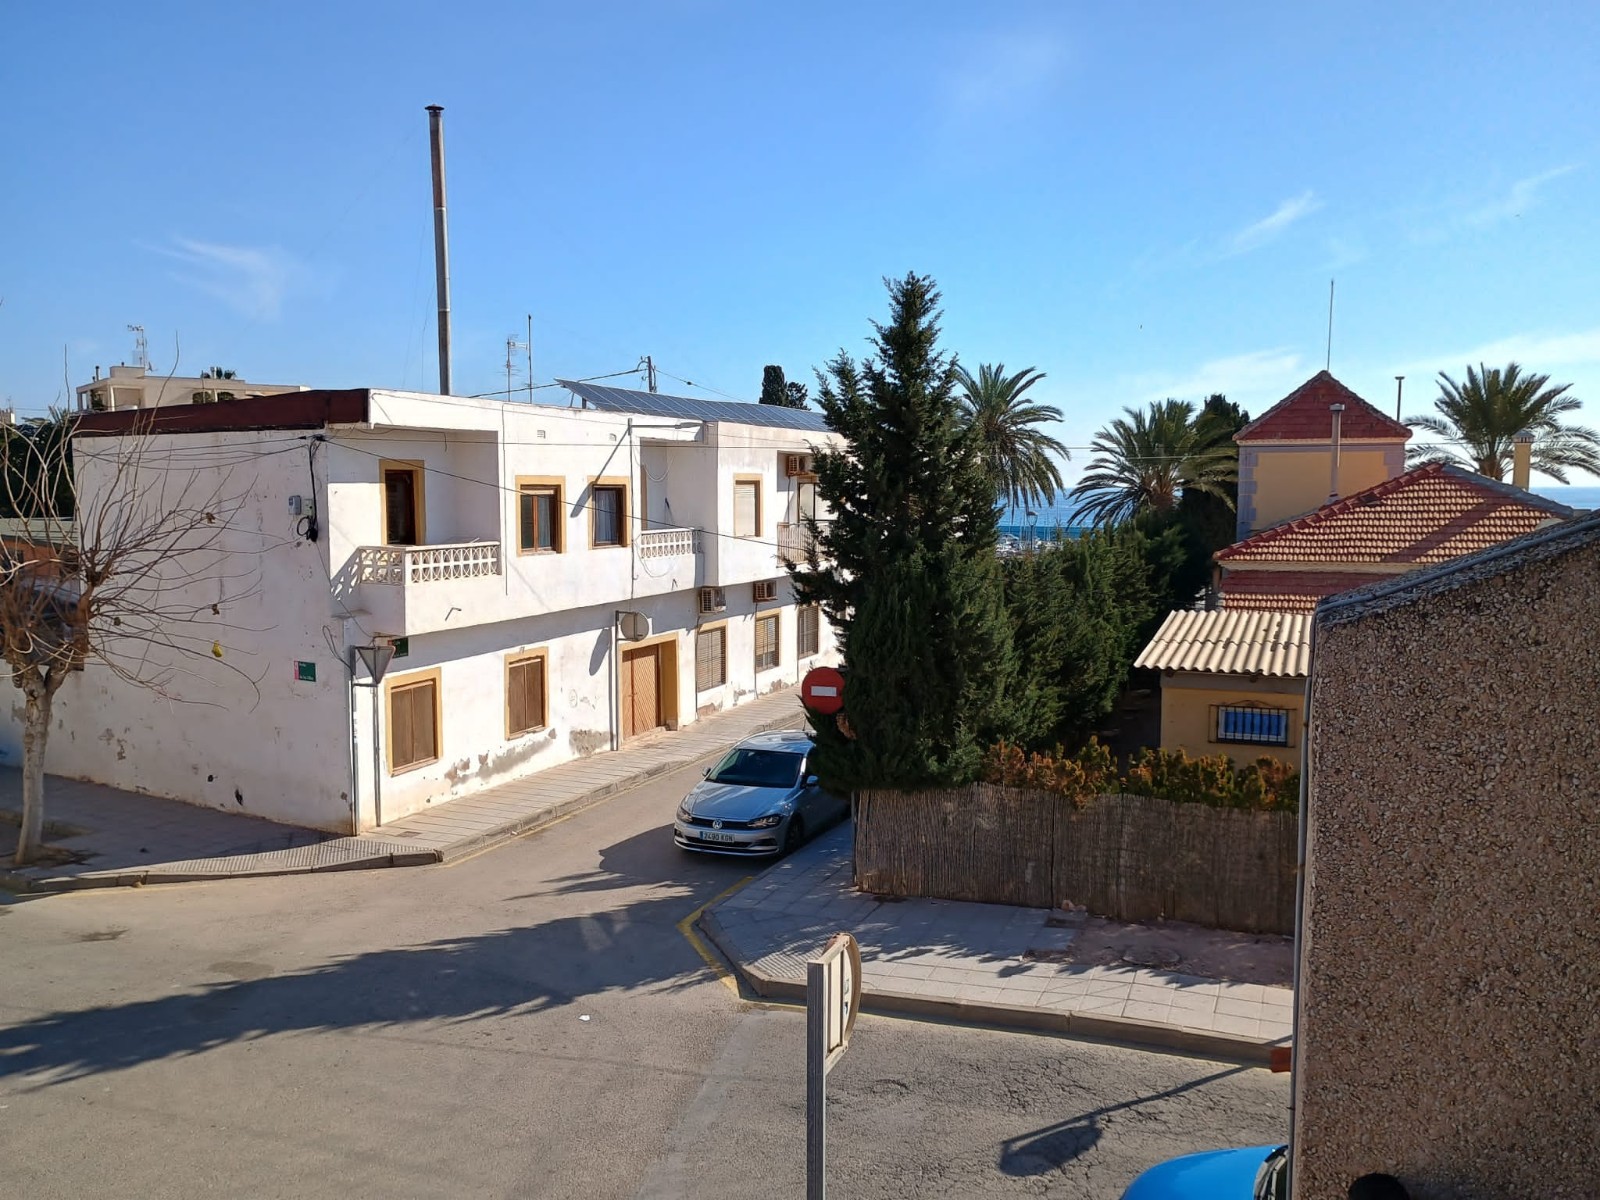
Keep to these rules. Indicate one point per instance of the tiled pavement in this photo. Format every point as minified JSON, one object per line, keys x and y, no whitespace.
{"x":979,"y":961}
{"x":125,"y":838}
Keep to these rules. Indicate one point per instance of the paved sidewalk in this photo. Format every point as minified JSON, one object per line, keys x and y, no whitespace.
{"x":496,"y":814}
{"x":119,"y":838}
{"x":980,"y":962}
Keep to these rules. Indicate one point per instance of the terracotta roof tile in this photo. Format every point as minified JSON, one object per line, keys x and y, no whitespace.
{"x":1303,"y":416}
{"x":1289,"y":591}
{"x":1428,"y":515}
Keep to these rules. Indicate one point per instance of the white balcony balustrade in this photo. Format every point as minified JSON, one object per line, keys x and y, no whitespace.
{"x":427,"y":564}
{"x":668,"y":543}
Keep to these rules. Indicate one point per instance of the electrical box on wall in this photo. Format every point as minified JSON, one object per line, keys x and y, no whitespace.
{"x":302,"y":506}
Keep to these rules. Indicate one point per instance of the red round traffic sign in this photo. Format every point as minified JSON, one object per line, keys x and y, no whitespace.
{"x":822,"y":690}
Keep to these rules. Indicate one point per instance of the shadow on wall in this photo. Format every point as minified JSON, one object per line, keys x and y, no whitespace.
{"x":518,"y":970}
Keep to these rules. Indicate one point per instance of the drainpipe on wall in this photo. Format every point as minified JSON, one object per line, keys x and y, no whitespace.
{"x":1522,"y":460}
{"x":1338,"y":419}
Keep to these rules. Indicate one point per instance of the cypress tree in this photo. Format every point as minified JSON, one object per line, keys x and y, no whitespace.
{"x":906,"y":569}
{"x":773,"y":388}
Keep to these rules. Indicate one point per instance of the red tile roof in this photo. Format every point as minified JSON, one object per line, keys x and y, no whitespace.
{"x":1428,"y":515}
{"x":1289,"y":591}
{"x":1303,"y":416}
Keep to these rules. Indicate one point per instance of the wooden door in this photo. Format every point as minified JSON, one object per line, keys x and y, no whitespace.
{"x":641,"y":691}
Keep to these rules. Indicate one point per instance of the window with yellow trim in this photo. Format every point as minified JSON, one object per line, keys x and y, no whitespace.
{"x":767,"y":642}
{"x":527,"y":694}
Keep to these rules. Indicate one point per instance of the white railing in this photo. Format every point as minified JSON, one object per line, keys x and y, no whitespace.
{"x":668,"y":543}
{"x":427,"y":564}
{"x":793,"y":542}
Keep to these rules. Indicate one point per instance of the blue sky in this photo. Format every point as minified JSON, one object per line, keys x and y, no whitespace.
{"x":1141,"y":201}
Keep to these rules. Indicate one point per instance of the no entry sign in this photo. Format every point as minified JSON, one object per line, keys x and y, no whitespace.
{"x":822,"y":690}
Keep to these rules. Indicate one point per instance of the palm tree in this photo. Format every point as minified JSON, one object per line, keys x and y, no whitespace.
{"x":1016,"y":453}
{"x":1484,"y":416}
{"x":1148,"y":459}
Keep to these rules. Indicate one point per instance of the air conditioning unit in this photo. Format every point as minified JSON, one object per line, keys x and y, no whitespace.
{"x":766,"y":589}
{"x":799,"y":464}
{"x":713,"y":600}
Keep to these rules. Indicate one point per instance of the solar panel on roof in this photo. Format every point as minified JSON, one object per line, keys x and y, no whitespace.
{"x":653,"y":404}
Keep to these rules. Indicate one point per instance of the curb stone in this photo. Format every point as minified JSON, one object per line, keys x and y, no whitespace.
{"x":1123,"y":1031}
{"x":16,"y":881}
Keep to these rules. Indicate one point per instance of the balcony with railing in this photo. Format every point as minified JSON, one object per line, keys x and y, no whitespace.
{"x":419,"y":589}
{"x":667,"y":543}
{"x":427,"y":564}
{"x":795,"y":542}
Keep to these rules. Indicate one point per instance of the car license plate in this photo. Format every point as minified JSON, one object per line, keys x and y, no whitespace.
{"x":717,"y":837}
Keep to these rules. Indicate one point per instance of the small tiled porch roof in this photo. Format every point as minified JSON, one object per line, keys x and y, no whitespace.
{"x":1224,"y":642}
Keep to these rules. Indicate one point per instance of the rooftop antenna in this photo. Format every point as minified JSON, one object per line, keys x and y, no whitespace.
{"x":512,"y":346}
{"x":141,"y":347}
{"x":1399,"y":382}
{"x":528,"y":345}
{"x":1328,"y":364}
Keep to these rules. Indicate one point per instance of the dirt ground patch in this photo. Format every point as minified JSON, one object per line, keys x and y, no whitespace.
{"x":1186,"y":950}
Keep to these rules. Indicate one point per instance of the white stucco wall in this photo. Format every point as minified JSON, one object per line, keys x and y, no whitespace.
{"x":281,"y":754}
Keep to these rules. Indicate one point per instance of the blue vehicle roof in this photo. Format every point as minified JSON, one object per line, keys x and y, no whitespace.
{"x":1212,"y":1175}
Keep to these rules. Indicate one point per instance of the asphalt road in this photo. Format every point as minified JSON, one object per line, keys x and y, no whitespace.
{"x":529,"y":1022}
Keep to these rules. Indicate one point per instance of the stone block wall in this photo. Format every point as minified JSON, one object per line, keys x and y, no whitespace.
{"x":1449,"y":1029}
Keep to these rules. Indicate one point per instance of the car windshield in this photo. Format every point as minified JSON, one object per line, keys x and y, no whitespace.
{"x":758,"y":768}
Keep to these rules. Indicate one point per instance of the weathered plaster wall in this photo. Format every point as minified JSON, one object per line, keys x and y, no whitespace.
{"x":1186,"y":721}
{"x":1450,"y":952}
{"x":244,"y":734}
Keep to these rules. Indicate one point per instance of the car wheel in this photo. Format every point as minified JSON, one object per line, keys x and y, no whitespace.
{"x":795,"y":835}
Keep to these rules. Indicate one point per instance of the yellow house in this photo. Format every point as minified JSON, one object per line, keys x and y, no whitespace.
{"x":1232,"y":682}
{"x":1320,"y":442}
{"x":1325,"y":506}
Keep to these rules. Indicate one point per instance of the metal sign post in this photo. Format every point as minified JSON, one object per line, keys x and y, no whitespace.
{"x":833,"y":996}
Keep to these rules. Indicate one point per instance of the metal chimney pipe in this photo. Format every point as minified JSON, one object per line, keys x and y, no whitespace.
{"x":441,"y":244}
{"x":1338,"y":417}
{"x":1522,"y":460}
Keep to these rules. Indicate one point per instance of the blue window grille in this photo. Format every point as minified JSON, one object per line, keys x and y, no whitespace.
{"x":1248,"y":724}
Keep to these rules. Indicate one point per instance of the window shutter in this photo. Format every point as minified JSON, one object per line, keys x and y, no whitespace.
{"x":710,"y":659}
{"x":413,"y":732}
{"x":766,"y":642}
{"x":746,"y":503}
{"x":525,"y":695}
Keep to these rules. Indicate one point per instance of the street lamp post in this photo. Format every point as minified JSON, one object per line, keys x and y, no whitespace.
{"x":376,"y":658}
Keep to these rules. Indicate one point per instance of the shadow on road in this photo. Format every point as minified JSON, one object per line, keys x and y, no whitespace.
{"x":1052,"y":1147}
{"x":520,"y":970}
{"x":652,"y":858}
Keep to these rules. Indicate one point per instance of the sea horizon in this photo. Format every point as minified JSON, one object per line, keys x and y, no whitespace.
{"x":1045,"y":521}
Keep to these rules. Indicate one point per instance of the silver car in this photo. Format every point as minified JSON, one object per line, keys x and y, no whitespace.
{"x":760,"y":799}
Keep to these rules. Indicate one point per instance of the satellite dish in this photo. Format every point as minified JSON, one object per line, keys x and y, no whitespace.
{"x":634,"y":626}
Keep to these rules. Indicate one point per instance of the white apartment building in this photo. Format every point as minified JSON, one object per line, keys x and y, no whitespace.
{"x":554,"y":581}
{"x":125,"y":387}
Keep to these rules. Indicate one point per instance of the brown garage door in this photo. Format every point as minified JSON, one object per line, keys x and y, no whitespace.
{"x":641,"y":691}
